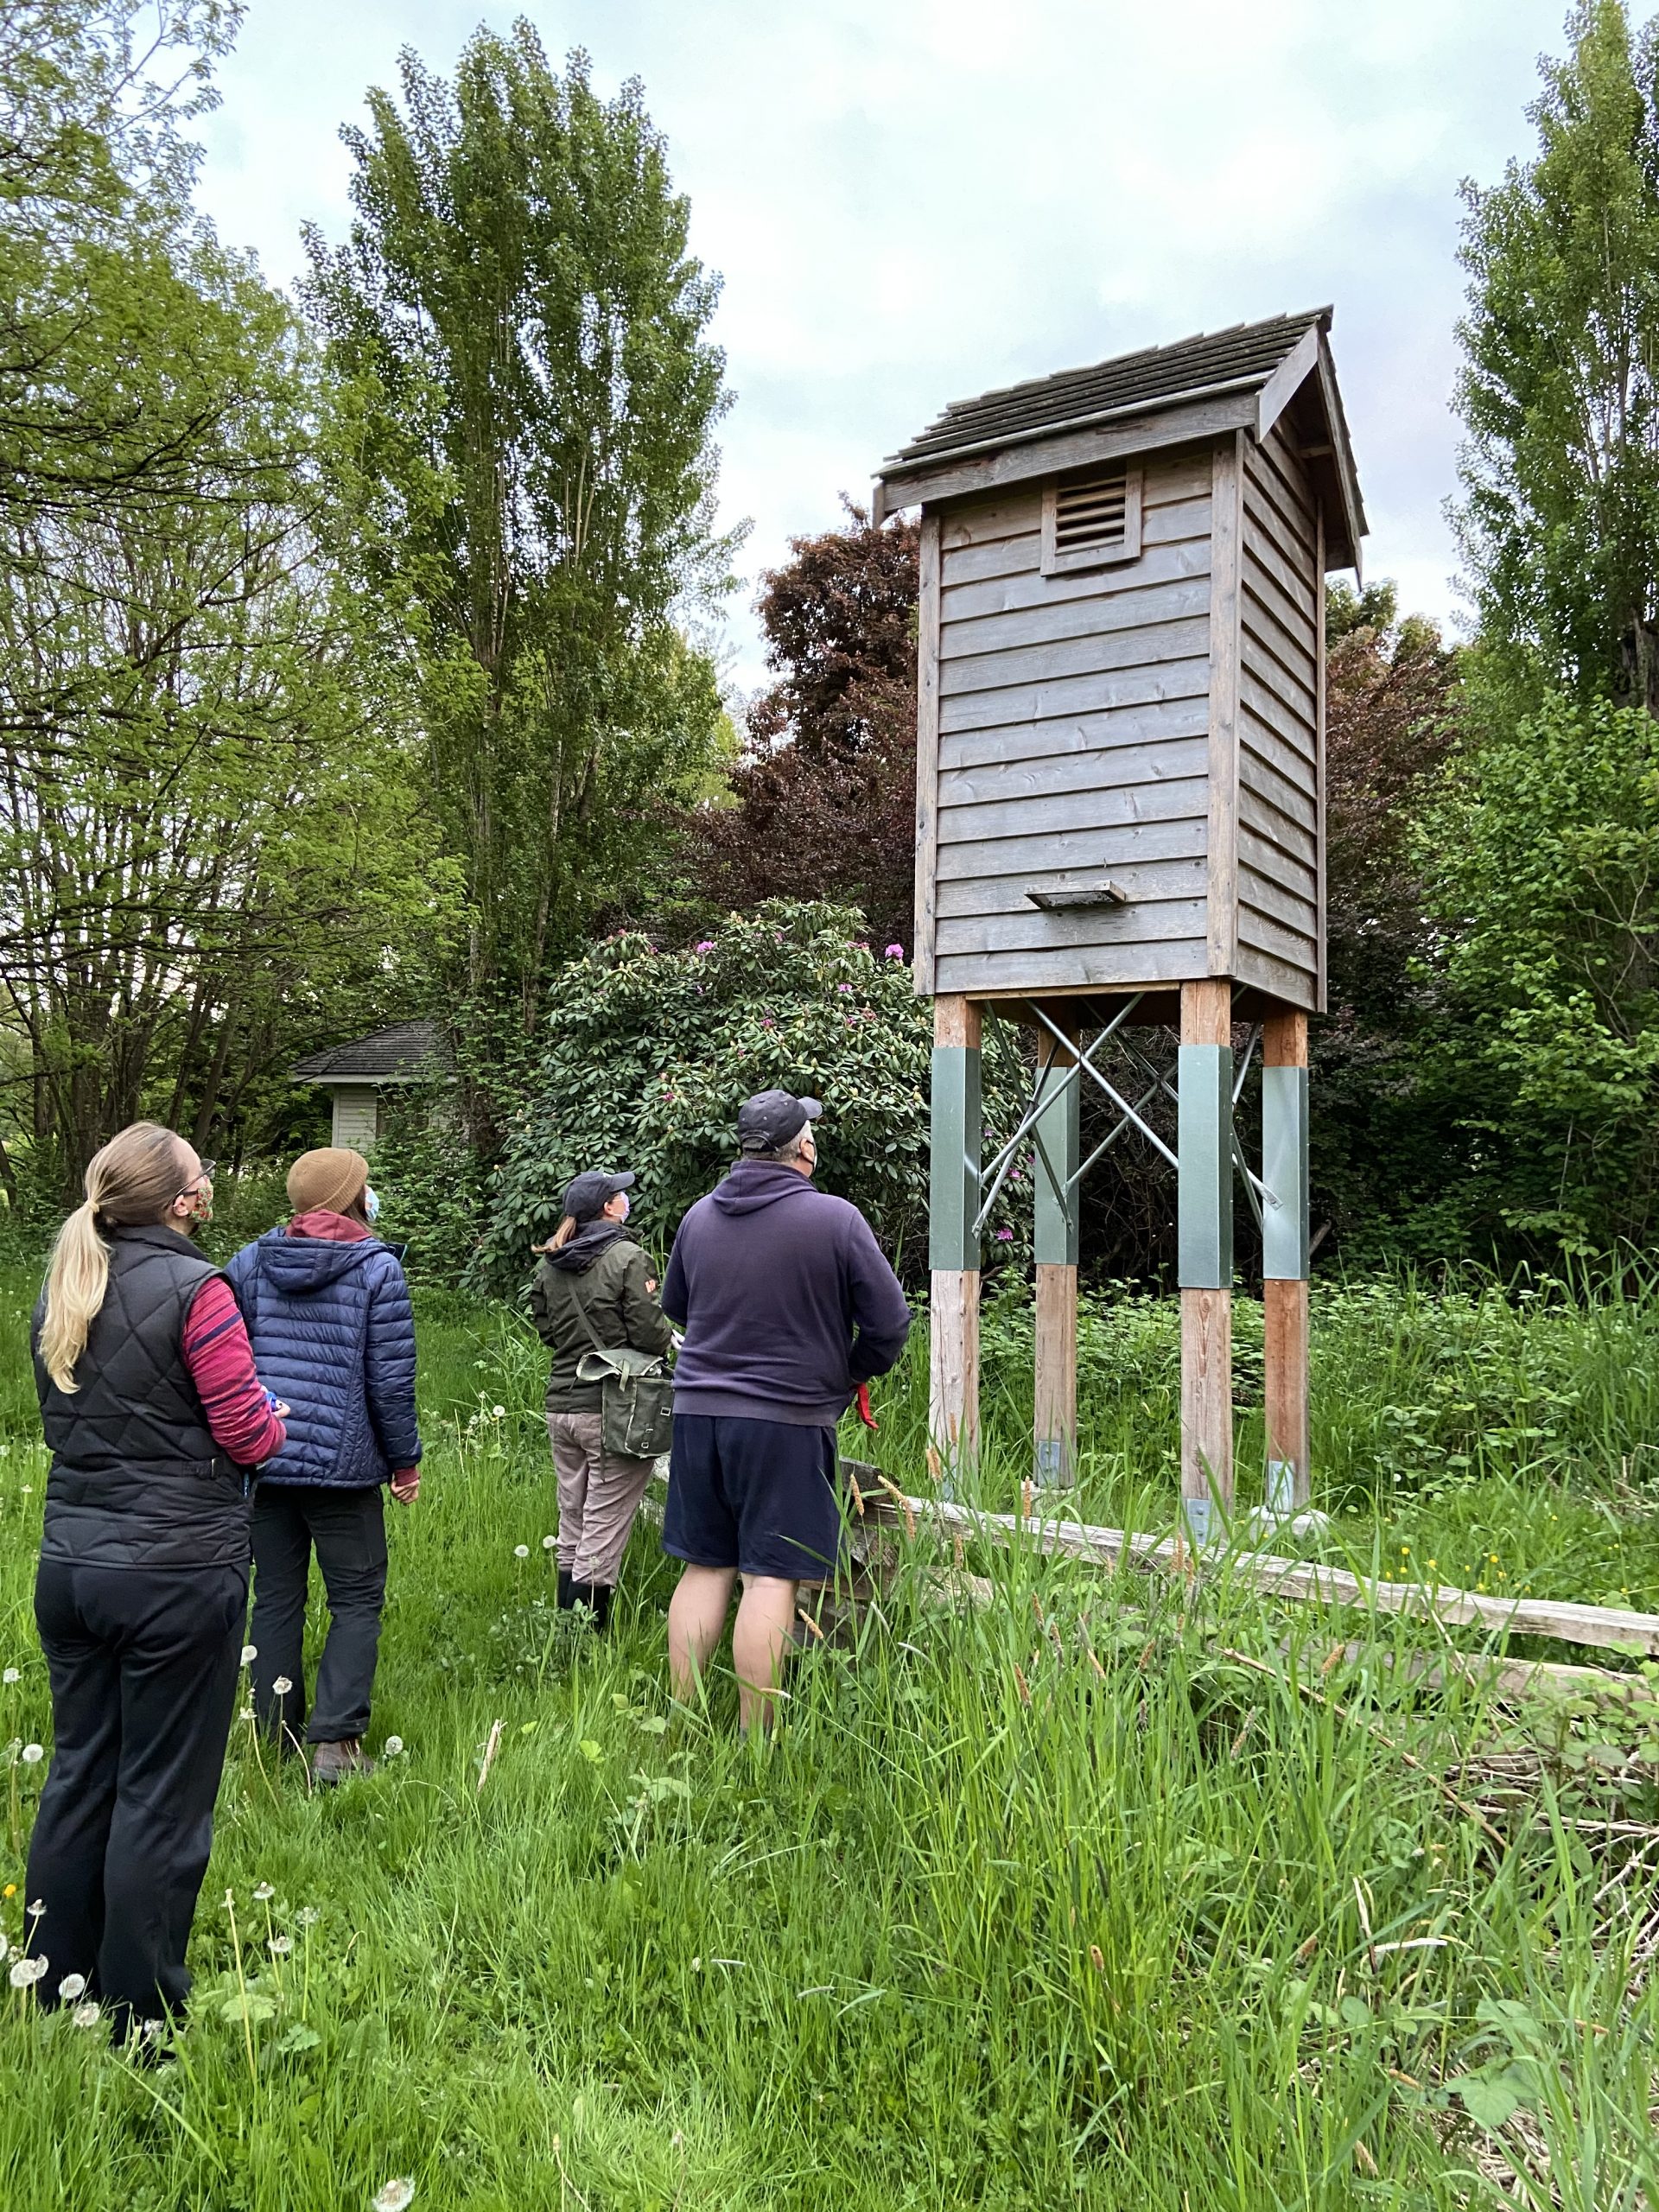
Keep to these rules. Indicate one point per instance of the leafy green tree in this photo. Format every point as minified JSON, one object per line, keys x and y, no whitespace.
{"x":519,"y":315}
{"x":1541,"y":861}
{"x":95,"y":173}
{"x":209,"y":828}
{"x":1559,"y":392}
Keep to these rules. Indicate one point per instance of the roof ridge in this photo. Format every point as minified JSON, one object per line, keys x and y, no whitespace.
{"x":1303,"y":317}
{"x":1231,"y":354}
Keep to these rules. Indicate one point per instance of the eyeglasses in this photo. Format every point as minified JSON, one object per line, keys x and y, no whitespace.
{"x":204,"y":1174}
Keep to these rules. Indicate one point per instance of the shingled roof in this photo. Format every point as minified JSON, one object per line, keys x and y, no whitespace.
{"x":400,"y":1053}
{"x":1238,"y":359}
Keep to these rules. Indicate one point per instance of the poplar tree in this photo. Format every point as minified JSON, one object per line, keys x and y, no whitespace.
{"x":519,"y":311}
{"x":1560,"y":391}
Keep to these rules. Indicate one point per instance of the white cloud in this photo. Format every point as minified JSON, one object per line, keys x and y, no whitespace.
{"x":912,"y":201}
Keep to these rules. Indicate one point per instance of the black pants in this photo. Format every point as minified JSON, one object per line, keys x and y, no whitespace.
{"x":144,"y":1666}
{"x":348,"y":1528}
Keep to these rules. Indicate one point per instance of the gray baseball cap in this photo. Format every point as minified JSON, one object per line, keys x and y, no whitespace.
{"x":772,"y":1117}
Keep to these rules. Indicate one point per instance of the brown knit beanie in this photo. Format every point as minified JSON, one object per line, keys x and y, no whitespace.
{"x":328,"y":1180}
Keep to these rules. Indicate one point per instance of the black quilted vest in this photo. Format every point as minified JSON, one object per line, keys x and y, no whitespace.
{"x":136,"y":1480}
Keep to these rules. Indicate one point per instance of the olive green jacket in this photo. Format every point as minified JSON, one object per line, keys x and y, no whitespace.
{"x":621,"y":1309}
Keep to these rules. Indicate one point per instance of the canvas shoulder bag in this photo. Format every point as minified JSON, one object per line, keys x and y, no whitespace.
{"x":635,"y":1398}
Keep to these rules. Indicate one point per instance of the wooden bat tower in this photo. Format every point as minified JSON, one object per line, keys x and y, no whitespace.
{"x":1120,"y":823}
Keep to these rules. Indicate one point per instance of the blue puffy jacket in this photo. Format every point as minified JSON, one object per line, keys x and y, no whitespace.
{"x":334,"y":1334}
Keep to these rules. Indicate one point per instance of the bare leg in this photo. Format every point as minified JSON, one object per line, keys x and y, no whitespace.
{"x":696,"y":1617}
{"x":765,"y":1619}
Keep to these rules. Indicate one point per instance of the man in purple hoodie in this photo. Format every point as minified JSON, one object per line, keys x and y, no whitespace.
{"x":787,"y":1306}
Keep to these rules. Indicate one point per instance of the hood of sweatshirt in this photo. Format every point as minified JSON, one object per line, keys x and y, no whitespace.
{"x":336,"y":1228}
{"x":585,"y":1247}
{"x":753,"y":1183}
{"x":296,"y":1264}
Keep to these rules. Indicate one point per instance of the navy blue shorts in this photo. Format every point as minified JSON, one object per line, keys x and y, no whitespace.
{"x":760,"y":1495}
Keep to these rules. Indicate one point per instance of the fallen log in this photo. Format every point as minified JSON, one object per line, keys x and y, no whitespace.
{"x":1301,"y":1580}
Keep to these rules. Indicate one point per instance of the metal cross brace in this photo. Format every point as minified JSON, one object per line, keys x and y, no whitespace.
{"x":1131,"y":1120}
{"x":1255,"y":1189}
{"x":1085,"y":1064}
{"x":1045,"y":1093}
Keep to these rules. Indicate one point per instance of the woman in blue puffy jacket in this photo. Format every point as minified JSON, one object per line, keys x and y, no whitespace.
{"x":328,"y":1313}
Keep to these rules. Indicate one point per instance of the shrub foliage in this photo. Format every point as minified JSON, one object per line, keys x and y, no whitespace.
{"x":651,"y":1054}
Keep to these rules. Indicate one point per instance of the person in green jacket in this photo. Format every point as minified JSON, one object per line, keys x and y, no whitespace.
{"x":591,"y":1267}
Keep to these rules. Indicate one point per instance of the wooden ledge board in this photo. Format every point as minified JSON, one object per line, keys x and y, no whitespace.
{"x":1303,"y":1580}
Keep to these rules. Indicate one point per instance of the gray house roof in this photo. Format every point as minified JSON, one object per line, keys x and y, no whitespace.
{"x":1242,"y":358}
{"x":406,"y":1051}
{"x":1242,"y":377}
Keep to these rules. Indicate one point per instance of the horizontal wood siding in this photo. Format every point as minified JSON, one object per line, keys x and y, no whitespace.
{"x":1073,"y":711}
{"x":1278,"y":725}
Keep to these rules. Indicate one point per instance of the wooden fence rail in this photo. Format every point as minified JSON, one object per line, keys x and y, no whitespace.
{"x":1305,"y":1581}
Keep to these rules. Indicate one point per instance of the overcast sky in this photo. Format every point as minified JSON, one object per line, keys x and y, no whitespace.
{"x":912,"y":201}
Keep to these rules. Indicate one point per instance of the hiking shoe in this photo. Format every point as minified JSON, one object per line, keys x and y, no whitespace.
{"x":332,"y":1762}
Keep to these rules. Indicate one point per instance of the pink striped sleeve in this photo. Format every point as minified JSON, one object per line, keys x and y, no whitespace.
{"x":220,"y":1361}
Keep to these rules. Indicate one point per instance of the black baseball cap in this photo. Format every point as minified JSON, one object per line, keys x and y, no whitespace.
{"x":772,"y":1117}
{"x":588,"y":1194}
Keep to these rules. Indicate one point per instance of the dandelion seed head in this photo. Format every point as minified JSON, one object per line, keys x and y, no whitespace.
{"x":71,"y":1986}
{"x":32,"y":1754}
{"x":263,"y":1889}
{"x":499,"y":1412}
{"x":307,"y":1915}
{"x":521,"y":1551}
{"x":394,"y":1745}
{"x":37,"y":1909}
{"x":394,"y":2195}
{"x":12,"y":1675}
{"x":281,"y":1686}
{"x":86,"y":2016}
{"x":549,"y":1543}
{"x":250,"y":1653}
{"x":26,"y":1972}
{"x":282,"y":1945}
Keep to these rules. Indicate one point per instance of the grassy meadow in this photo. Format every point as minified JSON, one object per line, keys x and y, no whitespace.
{"x":1115,"y":1890}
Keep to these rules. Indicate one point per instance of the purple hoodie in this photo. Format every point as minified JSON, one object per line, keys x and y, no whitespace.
{"x":786,"y":1299}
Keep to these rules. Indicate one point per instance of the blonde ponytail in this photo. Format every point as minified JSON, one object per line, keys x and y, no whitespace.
{"x":133,"y":1179}
{"x":560,"y":1238}
{"x":75,"y":1283}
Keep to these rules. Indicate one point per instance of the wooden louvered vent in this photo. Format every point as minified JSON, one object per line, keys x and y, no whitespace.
{"x":1091,"y":521}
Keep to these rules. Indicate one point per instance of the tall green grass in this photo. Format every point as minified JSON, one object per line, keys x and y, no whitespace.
{"x":1448,"y":1425}
{"x":1044,"y":1902}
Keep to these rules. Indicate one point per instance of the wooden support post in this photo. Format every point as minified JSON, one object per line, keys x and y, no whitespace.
{"x":1285,"y":1256}
{"x":953,"y":1243}
{"x":1056,"y":1156}
{"x":1205,"y":1238}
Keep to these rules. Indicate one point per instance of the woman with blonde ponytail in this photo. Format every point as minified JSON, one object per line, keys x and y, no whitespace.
{"x":155,"y":1421}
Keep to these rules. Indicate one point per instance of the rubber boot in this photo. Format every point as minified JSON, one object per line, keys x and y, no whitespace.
{"x":566,"y":1591}
{"x":597,"y":1597}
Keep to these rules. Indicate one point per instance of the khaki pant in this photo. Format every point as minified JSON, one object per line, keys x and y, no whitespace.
{"x":598,"y":1494}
